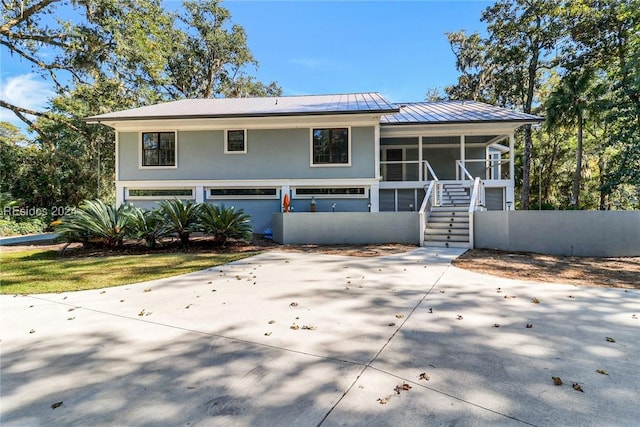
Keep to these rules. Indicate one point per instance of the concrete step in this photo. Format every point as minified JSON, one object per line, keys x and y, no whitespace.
{"x":446,"y":244}
{"x":433,"y":231}
{"x":457,"y":209}
{"x":449,"y":224}
{"x":446,"y":238}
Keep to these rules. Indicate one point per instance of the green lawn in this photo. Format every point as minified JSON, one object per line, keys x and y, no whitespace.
{"x":38,"y":271}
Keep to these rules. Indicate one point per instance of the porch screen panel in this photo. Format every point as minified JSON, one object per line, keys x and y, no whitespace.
{"x":407,"y":200}
{"x":387,"y":200}
{"x":494,"y":199}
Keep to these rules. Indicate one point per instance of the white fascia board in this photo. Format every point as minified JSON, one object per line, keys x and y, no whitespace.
{"x":251,"y":183}
{"x":453,"y":129}
{"x":284,"y":122}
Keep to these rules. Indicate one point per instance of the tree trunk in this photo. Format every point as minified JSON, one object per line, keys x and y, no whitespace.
{"x":578,"y":173}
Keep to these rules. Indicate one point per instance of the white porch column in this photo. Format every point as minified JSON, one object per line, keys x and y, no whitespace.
{"x":119,"y":194}
{"x":462,"y":157}
{"x":420,"y":165}
{"x":199,"y":194}
{"x":511,"y":157}
{"x":374,"y":197}
{"x":376,"y":151}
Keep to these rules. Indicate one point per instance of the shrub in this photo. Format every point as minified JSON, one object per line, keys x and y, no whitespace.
{"x":9,"y":227}
{"x":94,"y":221}
{"x":146,"y":225}
{"x":224,"y":223}
{"x":180,"y":218}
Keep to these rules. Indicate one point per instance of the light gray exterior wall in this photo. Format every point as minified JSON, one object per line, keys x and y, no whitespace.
{"x":346,"y":228}
{"x":577,"y":233}
{"x":271,"y":154}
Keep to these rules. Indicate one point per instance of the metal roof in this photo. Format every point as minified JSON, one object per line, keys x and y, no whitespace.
{"x":454,"y":112}
{"x":351,"y":103}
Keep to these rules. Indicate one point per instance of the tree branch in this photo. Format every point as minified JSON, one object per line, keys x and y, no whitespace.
{"x":5,"y":28}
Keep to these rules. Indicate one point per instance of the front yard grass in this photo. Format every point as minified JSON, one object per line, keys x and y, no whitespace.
{"x":44,"y":271}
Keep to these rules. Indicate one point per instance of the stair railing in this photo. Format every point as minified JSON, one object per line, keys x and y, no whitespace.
{"x":425,"y":207}
{"x":476,"y":204}
{"x":460,"y":168}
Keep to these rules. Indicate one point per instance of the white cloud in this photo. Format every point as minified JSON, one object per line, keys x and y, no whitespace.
{"x":24,"y":90}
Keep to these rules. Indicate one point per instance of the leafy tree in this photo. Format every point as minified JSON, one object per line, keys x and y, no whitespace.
{"x":211,"y":55}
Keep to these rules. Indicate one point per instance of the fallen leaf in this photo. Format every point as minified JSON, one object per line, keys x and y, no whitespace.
{"x":609,"y":339}
{"x":498,"y":290}
{"x":402,"y":387}
{"x":33,"y":331}
{"x":399,"y":316}
{"x":103,"y":292}
{"x":147,"y":290}
{"x":459,"y":317}
{"x":293,"y":304}
{"x":529,"y":326}
{"x":495,"y":325}
{"x":430,"y":310}
{"x":208,"y":283}
{"x":188,"y":305}
{"x":557,"y":380}
{"x":509,"y":296}
{"x":64,"y":298}
{"x":70,"y":318}
{"x":570,"y":296}
{"x":535,"y":300}
{"x":267,"y":333}
{"x":383,"y":400}
{"x":148,"y":313}
{"x":602,"y":371}
{"x":271,"y":322}
{"x":141,"y":312}
{"x":71,"y":309}
{"x":633,"y":316}
{"x":392,"y":324}
{"x":424,"y":376}
{"x":309,"y":327}
{"x":121,"y":300}
{"x":190,"y":388}
{"x":56,"y":405}
{"x":294,"y":327}
{"x":577,"y":387}
{"x":286,"y":261}
{"x":442,"y":292}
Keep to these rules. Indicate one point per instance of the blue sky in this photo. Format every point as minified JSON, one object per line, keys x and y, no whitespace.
{"x":397,"y":48}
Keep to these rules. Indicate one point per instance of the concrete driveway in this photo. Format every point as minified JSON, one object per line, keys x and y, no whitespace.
{"x":301,"y":339}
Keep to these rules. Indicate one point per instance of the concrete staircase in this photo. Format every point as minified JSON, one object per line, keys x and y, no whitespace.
{"x":448,"y":224}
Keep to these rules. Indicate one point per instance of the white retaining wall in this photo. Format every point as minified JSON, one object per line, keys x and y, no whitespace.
{"x":328,"y":228}
{"x":568,"y":233}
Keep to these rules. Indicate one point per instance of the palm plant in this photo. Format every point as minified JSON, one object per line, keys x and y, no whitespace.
{"x":574,"y":100}
{"x":180,"y":218}
{"x":146,"y":225}
{"x":94,"y":220}
{"x":224,"y":223}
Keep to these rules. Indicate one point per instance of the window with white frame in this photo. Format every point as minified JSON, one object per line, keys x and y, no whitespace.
{"x":330,"y":192}
{"x":159,"y":193}
{"x":158,"y":149}
{"x":330,"y":147}
{"x":235,"y":141}
{"x":243,"y":193}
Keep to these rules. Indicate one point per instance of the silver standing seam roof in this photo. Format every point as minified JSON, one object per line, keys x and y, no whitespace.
{"x":351,"y":103}
{"x":454,"y":112}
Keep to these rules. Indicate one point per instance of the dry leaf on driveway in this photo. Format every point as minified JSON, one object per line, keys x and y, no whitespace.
{"x":424,"y":376}
{"x":557,"y":380}
{"x":609,"y":339}
{"x":56,"y":405}
{"x":577,"y":387}
{"x":602,"y":371}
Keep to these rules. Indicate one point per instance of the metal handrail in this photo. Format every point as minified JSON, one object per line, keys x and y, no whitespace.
{"x":428,"y":168}
{"x":424,"y":207}
{"x":460,"y":167}
{"x":475,"y":204}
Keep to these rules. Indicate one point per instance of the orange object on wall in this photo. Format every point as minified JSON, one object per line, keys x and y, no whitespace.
{"x":286,"y":203}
